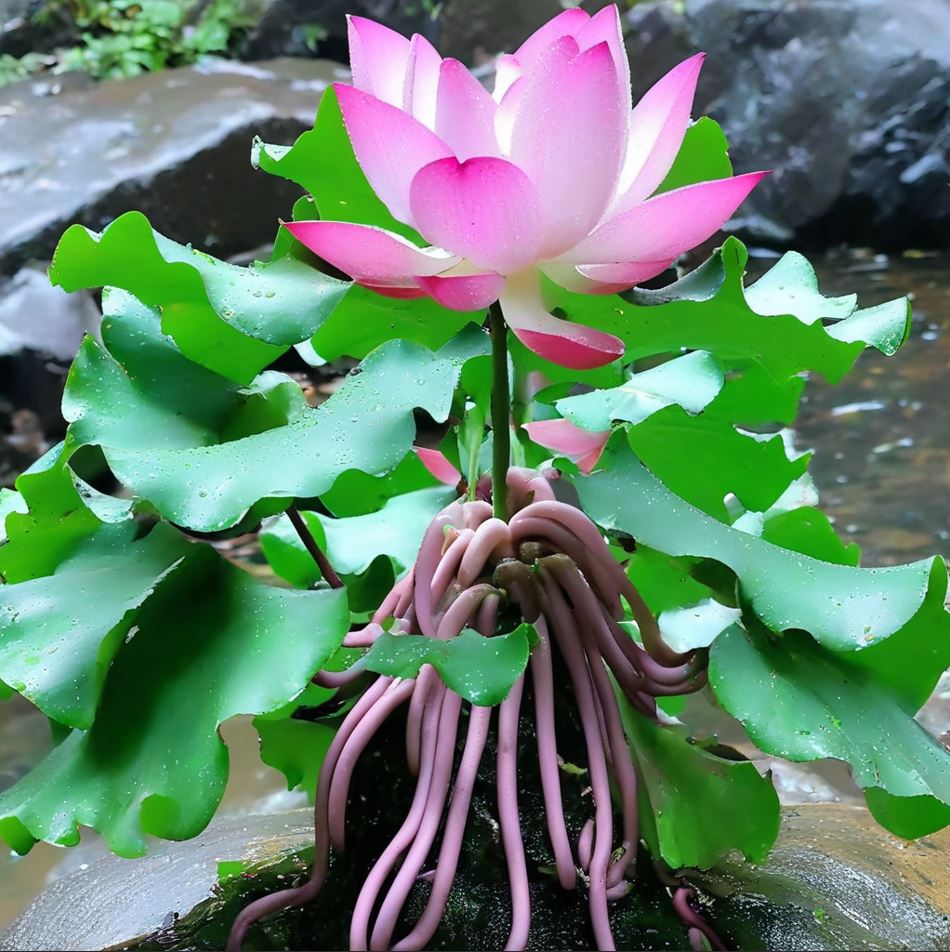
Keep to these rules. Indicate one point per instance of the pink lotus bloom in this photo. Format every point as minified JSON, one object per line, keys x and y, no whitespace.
{"x":552,"y":173}
{"x":567,"y":439}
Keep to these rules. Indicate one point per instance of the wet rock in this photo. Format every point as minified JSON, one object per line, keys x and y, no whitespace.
{"x":173,"y":144}
{"x":847,"y":100}
{"x":299,"y":27}
{"x":835,"y":880}
{"x":41,"y":328}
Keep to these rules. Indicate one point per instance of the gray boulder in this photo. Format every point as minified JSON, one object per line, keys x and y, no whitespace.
{"x":847,"y":100}
{"x":174,"y":144}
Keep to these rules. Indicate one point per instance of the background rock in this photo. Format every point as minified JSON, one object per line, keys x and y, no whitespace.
{"x":173,"y":144}
{"x":847,"y":100}
{"x":298,"y":27}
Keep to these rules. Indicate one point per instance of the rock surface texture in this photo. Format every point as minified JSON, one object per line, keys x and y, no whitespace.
{"x":175,"y":145}
{"x":847,"y":100}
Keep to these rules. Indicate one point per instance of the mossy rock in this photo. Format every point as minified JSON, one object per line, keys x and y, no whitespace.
{"x":834,"y":881}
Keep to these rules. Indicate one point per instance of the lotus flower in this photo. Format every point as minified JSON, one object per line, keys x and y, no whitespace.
{"x":551,"y":174}
{"x":567,"y":439}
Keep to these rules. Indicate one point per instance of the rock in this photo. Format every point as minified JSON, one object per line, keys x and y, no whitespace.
{"x":41,"y":328}
{"x":834,"y":881}
{"x":173,"y":144}
{"x":476,"y":29}
{"x":298,"y":27}
{"x":23,"y":31}
{"x":847,"y":100}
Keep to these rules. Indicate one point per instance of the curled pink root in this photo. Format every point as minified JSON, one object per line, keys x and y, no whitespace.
{"x":550,"y":565}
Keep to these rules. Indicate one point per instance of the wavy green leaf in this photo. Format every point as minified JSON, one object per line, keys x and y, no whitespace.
{"x":352,"y":544}
{"x":364,"y":320}
{"x":231,"y":319}
{"x":690,"y":382}
{"x":708,"y":310}
{"x":482,"y":670}
{"x":682,"y":786}
{"x":845,"y":608}
{"x":205,"y":468}
{"x":296,"y":748}
{"x":210,"y":643}
{"x":59,"y":633}
{"x":802,"y":702}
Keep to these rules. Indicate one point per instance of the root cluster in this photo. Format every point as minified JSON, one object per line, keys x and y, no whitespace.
{"x":548,"y":565}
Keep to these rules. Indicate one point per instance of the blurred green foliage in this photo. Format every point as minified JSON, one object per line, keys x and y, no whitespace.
{"x":128,"y":37}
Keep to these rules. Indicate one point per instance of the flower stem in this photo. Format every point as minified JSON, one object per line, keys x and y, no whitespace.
{"x":310,"y":543}
{"x":500,"y":411}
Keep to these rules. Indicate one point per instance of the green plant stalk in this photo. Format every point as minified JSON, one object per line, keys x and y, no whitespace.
{"x":500,"y":411}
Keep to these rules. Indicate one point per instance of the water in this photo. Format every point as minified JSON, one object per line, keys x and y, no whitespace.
{"x":882,"y":465}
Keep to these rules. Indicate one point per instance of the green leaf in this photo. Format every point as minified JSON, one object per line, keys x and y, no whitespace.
{"x":364,"y":320}
{"x":907,"y":817}
{"x":10,"y":501}
{"x":49,"y":522}
{"x":482,"y":670}
{"x":367,"y":424}
{"x":707,"y":310}
{"x":356,"y":494}
{"x":296,"y":748}
{"x":845,"y":608}
{"x":703,"y":156}
{"x":687,"y":613}
{"x":322,"y":162}
{"x":59,"y":634}
{"x":211,"y":643}
{"x":682,"y":786}
{"x":809,"y":531}
{"x":137,"y":390}
{"x":690,"y":382}
{"x":791,"y":287}
{"x":802,"y":702}
{"x":703,"y":459}
{"x":353,"y":543}
{"x":234,"y":320}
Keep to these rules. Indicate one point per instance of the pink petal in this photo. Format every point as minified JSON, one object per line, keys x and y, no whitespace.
{"x":390,"y":146}
{"x":667,"y":225}
{"x":657,"y":127}
{"x":569,"y":136}
{"x":437,"y":464}
{"x":605,"y":27}
{"x":465,"y":113}
{"x":369,"y":255}
{"x":624,"y":275}
{"x":395,"y":291}
{"x":564,"y":437}
{"x":485,"y":209}
{"x":568,"y":23}
{"x":507,"y":70}
{"x":422,"y":81}
{"x":378,"y":58}
{"x":562,"y":342}
{"x":466,"y":292}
